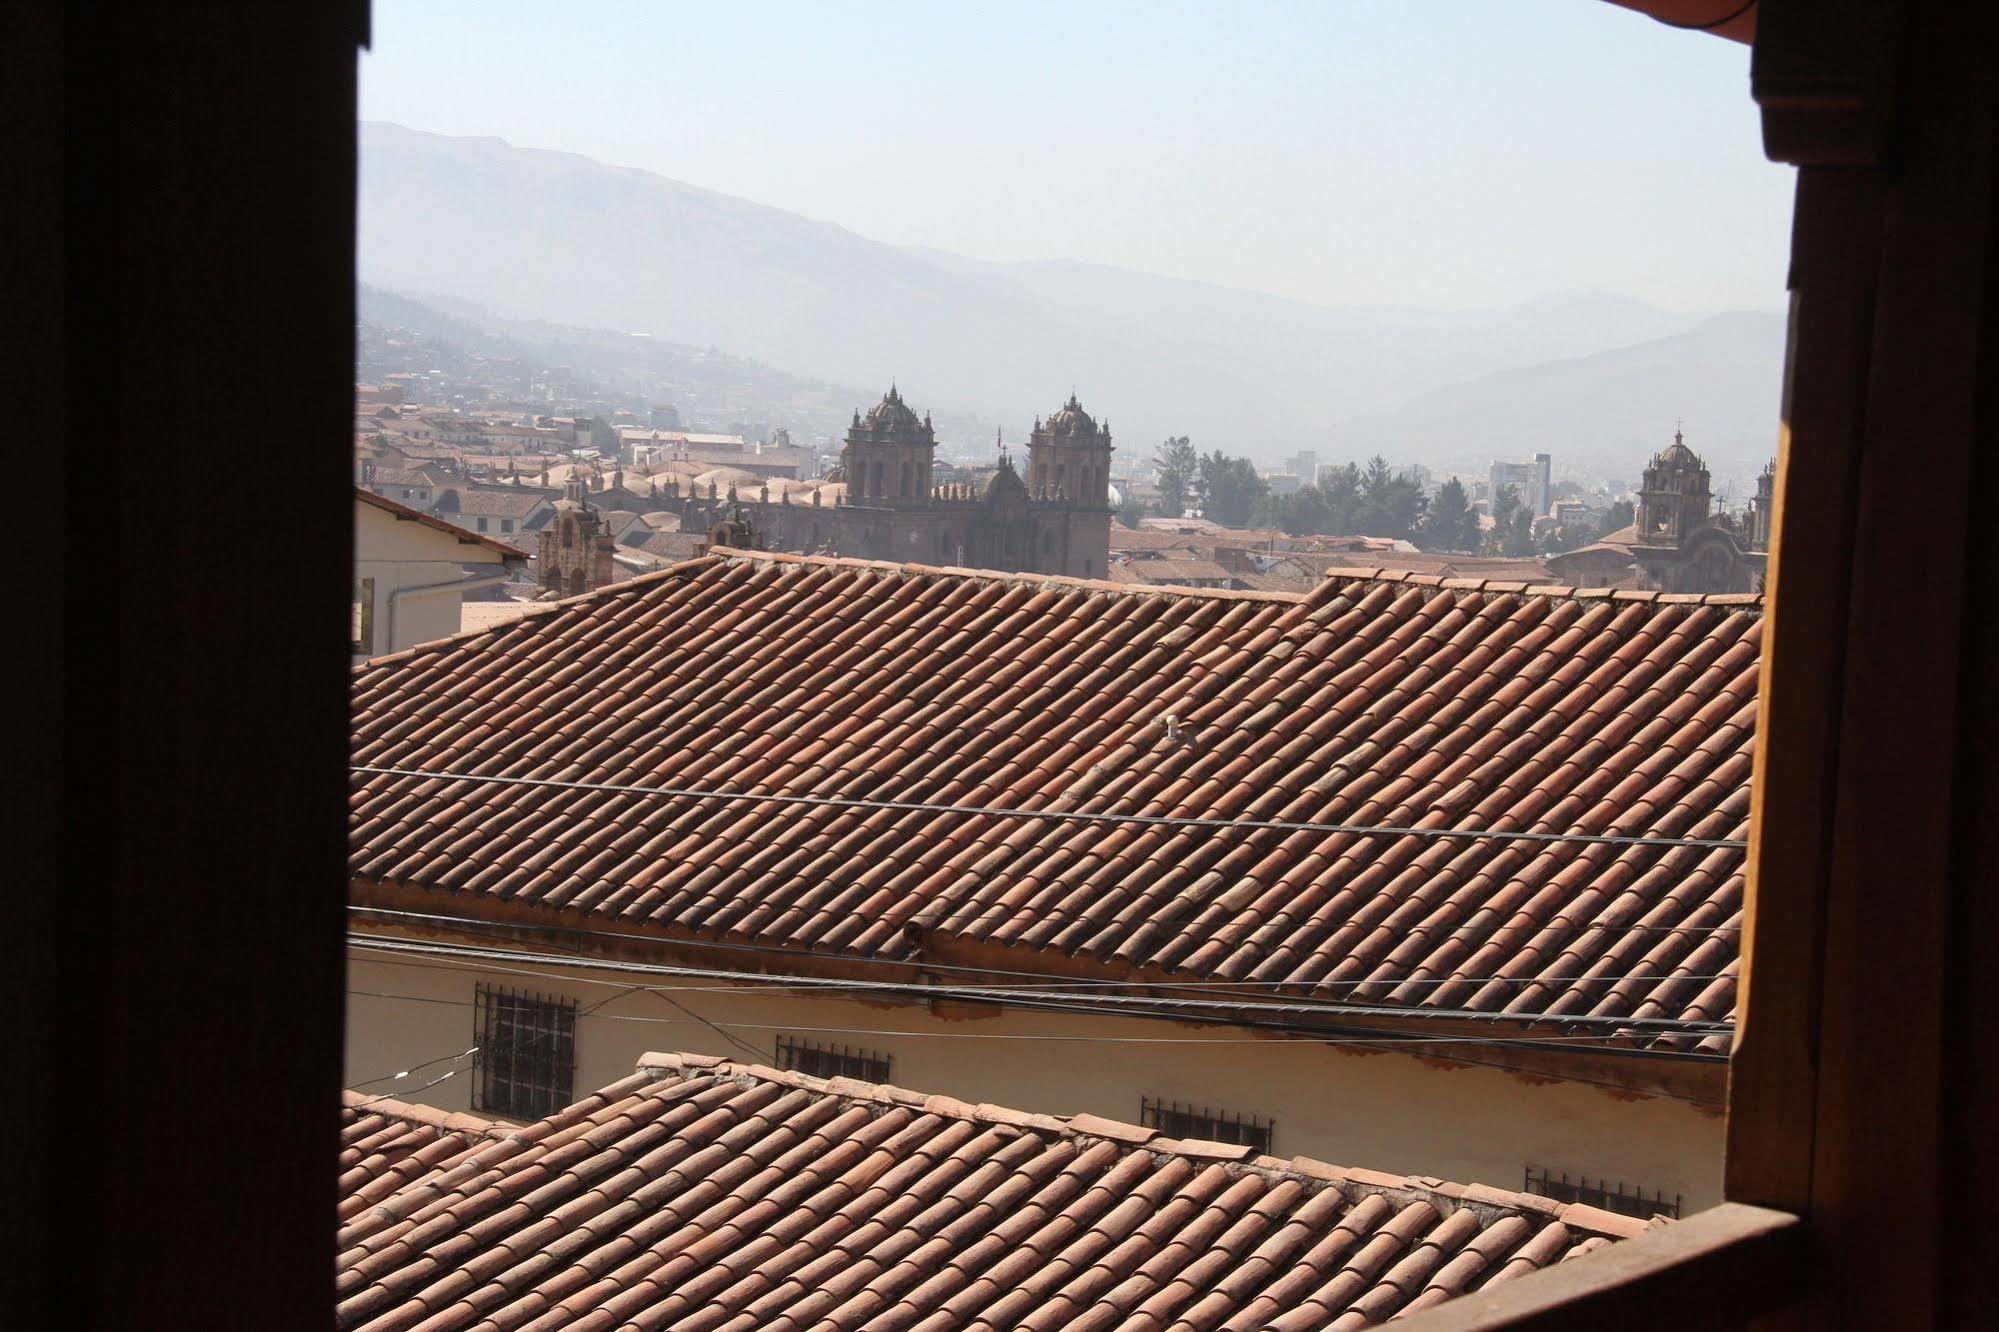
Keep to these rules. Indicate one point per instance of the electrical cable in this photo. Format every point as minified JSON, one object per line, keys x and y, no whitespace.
{"x":952,"y":921}
{"x":776,"y":981}
{"x":541,"y":931}
{"x":1376,"y":1038}
{"x":389,"y":1096}
{"x":1073,"y":816}
{"x":392,"y":1077}
{"x":1149,"y":1006}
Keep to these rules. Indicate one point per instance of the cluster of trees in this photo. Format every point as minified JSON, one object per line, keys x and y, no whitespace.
{"x":1226,"y":490}
{"x":1356,"y":499}
{"x":1371,"y":499}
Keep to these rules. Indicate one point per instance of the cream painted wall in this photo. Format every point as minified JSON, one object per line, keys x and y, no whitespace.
{"x":397,"y":553}
{"x":1382,"y":1111}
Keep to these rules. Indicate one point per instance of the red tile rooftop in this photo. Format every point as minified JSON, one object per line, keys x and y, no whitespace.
{"x":1375,"y":699}
{"x":703,"y":1194}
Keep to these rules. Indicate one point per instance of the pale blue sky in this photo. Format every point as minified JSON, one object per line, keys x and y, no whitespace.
{"x":1440,"y":153}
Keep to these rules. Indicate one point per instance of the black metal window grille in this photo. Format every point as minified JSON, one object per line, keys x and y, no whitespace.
{"x":832,"y":1061}
{"x":1186,"y":1121}
{"x":1601,"y":1193}
{"x":527,"y":1052}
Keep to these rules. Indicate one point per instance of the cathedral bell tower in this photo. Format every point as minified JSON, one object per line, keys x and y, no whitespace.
{"x":1069,"y":458}
{"x":1673,"y":502}
{"x":889,"y":456}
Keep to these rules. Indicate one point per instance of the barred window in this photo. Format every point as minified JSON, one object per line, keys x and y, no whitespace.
{"x":832,"y":1061}
{"x":1187,"y":1121}
{"x":527,"y":1052}
{"x":1625,"y":1201}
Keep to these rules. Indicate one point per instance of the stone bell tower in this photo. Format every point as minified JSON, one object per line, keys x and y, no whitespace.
{"x":889,"y":456}
{"x":1069,"y":458}
{"x":576,"y":552}
{"x":1674,"y":501}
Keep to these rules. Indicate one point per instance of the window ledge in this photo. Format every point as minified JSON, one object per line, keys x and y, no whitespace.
{"x":1718,"y":1268}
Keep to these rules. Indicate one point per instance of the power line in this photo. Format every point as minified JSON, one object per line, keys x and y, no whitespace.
{"x":915,"y":964}
{"x":1144,"y":1005}
{"x":778,"y":981}
{"x":1329,"y":1039}
{"x":394,"y":1077}
{"x":406,"y":1091}
{"x":928,"y":916}
{"x":1073,"y":816}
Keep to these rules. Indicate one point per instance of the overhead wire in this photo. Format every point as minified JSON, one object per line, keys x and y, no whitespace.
{"x":957,"y":920}
{"x":778,"y":981}
{"x":1327,"y":1038}
{"x":393,"y":1077}
{"x":541,"y":932}
{"x":1072,"y":816}
{"x":406,"y":1091}
{"x":1144,"y":1005}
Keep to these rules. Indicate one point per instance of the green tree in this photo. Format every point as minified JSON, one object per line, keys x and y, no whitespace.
{"x":1391,"y":503}
{"x":1229,"y":488}
{"x":1178,"y":465}
{"x":603,"y":437}
{"x":1512,"y":525}
{"x":1621,"y":515}
{"x":1449,"y":524}
{"x":1340,"y":487}
{"x":1131,"y":510}
{"x":1303,"y":512}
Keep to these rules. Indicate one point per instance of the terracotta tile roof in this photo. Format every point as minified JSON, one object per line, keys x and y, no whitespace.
{"x":1125,"y":538}
{"x":701,"y":1194}
{"x":1378,"y":699}
{"x":431,"y":520}
{"x":386,"y":1143}
{"x":495,"y":503}
{"x":1169,"y":572}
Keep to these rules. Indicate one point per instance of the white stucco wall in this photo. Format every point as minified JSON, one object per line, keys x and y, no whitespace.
{"x":1383,"y":1111}
{"x":403,"y":553}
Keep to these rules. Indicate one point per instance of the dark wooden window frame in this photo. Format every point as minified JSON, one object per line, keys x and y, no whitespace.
{"x":1863,"y":1083}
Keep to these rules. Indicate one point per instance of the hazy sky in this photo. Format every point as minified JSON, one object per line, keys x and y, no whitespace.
{"x":1441,"y":153}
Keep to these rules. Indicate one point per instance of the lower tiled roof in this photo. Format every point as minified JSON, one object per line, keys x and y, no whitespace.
{"x":386,"y":1143}
{"x":719,"y":1197}
{"x":1376,"y":699}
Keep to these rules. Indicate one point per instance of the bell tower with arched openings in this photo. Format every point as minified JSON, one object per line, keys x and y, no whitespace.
{"x":1069,"y":458}
{"x":1673,"y":502}
{"x":889,"y":456}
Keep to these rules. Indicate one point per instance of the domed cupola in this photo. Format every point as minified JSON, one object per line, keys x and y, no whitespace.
{"x":1069,"y":458}
{"x":889,"y":454}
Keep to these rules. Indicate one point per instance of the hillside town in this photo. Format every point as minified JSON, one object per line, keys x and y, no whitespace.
{"x":581,"y":501}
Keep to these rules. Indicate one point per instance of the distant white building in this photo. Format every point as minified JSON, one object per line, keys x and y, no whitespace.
{"x":1530,"y":479}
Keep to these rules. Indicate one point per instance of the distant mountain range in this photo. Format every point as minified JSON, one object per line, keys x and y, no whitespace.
{"x":1603,"y":415}
{"x":557,"y":237}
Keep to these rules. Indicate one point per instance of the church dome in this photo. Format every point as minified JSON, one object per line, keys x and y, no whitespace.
{"x":1677,"y":457}
{"x":1005,"y":480}
{"x":892,"y":417}
{"x":1072,"y":420}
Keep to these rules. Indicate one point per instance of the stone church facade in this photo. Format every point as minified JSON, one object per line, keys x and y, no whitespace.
{"x":882,"y":501}
{"x":1681,"y":544}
